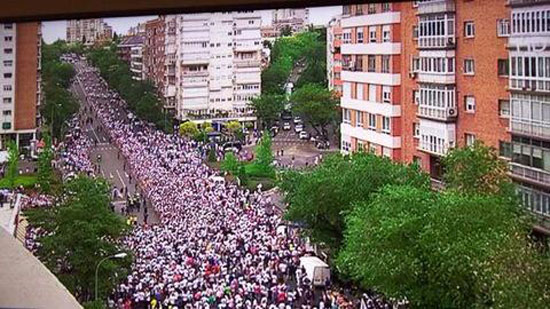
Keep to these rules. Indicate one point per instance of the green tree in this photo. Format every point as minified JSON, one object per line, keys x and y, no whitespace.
{"x":189,"y":129}
{"x":45,"y":171}
{"x":232,"y":127}
{"x":13,"y":163}
{"x":319,"y":198}
{"x":264,"y":155}
{"x":475,"y":169}
{"x":230,"y":164}
{"x":439,"y":250}
{"x":212,"y":155}
{"x":83,"y":231}
{"x":317,"y":105}
{"x":267,"y":108}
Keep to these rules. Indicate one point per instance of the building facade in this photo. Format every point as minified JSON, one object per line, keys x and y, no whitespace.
{"x":153,"y":52}
{"x":334,"y":54}
{"x":170,"y":56}
{"x":529,"y":110}
{"x":371,"y":78}
{"x":130,"y":49}
{"x":217,"y":67}
{"x":295,"y":19}
{"x":88,"y":31}
{"x":20,"y":82}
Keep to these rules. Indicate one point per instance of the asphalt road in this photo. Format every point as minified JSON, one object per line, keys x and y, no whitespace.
{"x":112,"y":165}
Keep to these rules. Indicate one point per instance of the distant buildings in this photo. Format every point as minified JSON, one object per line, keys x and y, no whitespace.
{"x":20,"y":81}
{"x":294,"y":19}
{"x":153,"y":52}
{"x":334,"y":54}
{"x":88,"y":31}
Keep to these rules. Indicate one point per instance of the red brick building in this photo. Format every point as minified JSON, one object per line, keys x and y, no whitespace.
{"x":153,"y":53}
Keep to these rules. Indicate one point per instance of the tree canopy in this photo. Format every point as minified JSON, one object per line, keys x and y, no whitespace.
{"x":317,"y":105}
{"x":268,"y":108}
{"x":45,"y":170}
{"x":13,"y":163}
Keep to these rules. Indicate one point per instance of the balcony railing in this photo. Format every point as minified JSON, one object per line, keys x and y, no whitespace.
{"x":433,"y":148}
{"x":222,"y":115}
{"x":530,"y":83}
{"x":435,"y":6}
{"x":438,"y":113}
{"x":247,"y":63}
{"x":445,"y":41}
{"x":526,"y":2}
{"x":530,"y":173}
{"x":530,"y":127}
{"x":195,"y":73}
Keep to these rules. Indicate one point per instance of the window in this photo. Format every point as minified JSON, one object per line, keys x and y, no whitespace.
{"x":416,"y":130}
{"x":372,"y":148}
{"x":346,"y":10}
{"x":385,"y":64}
{"x":358,"y":63}
{"x":6,"y":125}
{"x":469,"y":66}
{"x":386,"y":94}
{"x":371,"y":63}
{"x":505,"y":149}
{"x":470,"y":104}
{"x":8,"y":26}
{"x":504,"y":108}
{"x":251,"y":22}
{"x":347,"y":116}
{"x":470,"y":139}
{"x":415,"y":4}
{"x":372,"y":8}
{"x":386,"y":33}
{"x":360,"y":35}
{"x":417,"y":160}
{"x":358,"y":9}
{"x":469,"y":29}
{"x":6,"y":113}
{"x":346,"y":146}
{"x":8,"y":38}
{"x":7,"y":88}
{"x":7,"y":75}
{"x":8,"y":63}
{"x":372,"y":93}
{"x":386,"y":125}
{"x":358,"y":119}
{"x":372,"y":121}
{"x":386,"y":7}
{"x":6,"y":100}
{"x":8,"y":51}
{"x":503,"y":27}
{"x":346,"y":36}
{"x":372,"y":34}
{"x":415,"y":32}
{"x":416,"y":96}
{"x":503,"y":66}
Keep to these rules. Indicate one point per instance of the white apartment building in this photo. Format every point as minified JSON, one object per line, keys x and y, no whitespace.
{"x":20,"y":91}
{"x":170,"y":56}
{"x":217,"y":65}
{"x":296,"y":19}
{"x":136,"y":62}
{"x":371,"y":79}
{"x":87,"y":31}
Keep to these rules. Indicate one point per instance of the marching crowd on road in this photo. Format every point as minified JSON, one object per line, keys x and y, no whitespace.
{"x":216,"y":246}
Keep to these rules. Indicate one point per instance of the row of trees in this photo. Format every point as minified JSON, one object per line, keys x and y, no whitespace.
{"x":59,"y":104}
{"x":81,"y":231}
{"x":140,"y":95}
{"x":465,"y":247}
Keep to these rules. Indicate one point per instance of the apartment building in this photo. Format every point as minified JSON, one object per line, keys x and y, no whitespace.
{"x":153,"y":52}
{"x":529,"y":108}
{"x":295,"y":19}
{"x":371,"y":78}
{"x":217,"y":65}
{"x":334,"y":54}
{"x":88,"y":31}
{"x":170,"y":55}
{"x":20,"y":82}
{"x":130,"y":49}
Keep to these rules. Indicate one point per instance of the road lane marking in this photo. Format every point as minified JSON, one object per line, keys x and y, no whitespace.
{"x":120,"y":177}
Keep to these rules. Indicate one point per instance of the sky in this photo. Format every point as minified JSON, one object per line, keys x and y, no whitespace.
{"x":53,"y":30}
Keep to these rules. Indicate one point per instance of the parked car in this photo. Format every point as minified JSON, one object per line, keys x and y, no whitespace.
{"x":274,"y":130}
{"x":304,"y":135}
{"x":286,"y":126}
{"x":299,"y":128}
{"x":232,"y":146}
{"x":286,"y":116}
{"x":297,"y":120}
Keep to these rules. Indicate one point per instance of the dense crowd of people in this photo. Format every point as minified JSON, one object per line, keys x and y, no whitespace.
{"x":215,"y":245}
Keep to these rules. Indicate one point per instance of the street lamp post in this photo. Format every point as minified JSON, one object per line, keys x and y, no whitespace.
{"x":120,"y":255}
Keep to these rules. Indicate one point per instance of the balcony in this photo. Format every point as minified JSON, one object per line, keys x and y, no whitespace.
{"x":444,"y":41}
{"x":337,"y":43}
{"x":195,"y":73}
{"x":532,"y":128}
{"x":434,"y":148}
{"x":436,"y":78}
{"x":530,"y":174}
{"x":437,"y":113}
{"x":530,"y":83}
{"x":171,"y":71}
{"x":247,"y":63}
{"x":388,"y":79}
{"x":195,"y":59}
{"x":435,"y":6}
{"x":247,"y":48}
{"x":526,"y":2}
{"x":194,"y":81}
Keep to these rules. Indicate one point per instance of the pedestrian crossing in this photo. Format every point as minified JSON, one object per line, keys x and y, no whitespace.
{"x":105,"y":147}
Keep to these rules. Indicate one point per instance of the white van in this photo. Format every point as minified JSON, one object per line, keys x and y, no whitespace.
{"x":318,"y":272}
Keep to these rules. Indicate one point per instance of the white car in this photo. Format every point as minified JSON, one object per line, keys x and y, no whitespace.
{"x":297,"y":120}
{"x":299,"y":128}
{"x":286,"y":126}
{"x":304,"y":135}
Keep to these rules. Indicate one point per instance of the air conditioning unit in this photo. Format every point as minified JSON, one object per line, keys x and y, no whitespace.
{"x":412,"y":75}
{"x":452,"y":111}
